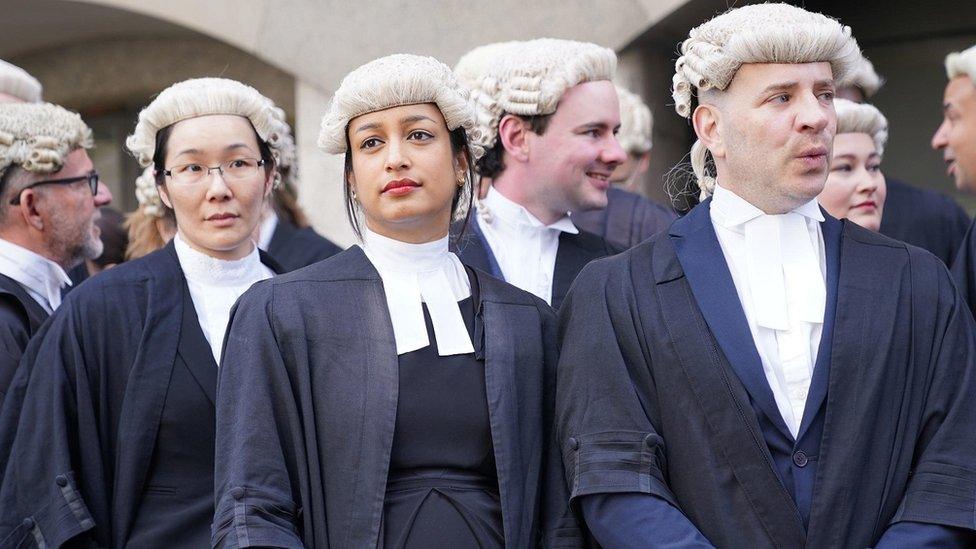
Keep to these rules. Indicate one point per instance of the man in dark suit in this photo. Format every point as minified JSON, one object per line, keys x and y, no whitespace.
{"x":551,"y":149}
{"x":48,"y":210}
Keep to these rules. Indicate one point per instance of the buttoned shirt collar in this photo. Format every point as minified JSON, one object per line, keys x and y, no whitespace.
{"x":38,"y":275}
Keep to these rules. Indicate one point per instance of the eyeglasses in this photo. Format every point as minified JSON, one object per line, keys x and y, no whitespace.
{"x":232,"y":170}
{"x":91,"y":176}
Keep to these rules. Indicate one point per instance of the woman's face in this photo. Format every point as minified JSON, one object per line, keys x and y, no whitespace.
{"x":215,"y":214}
{"x":404,"y":173}
{"x":855,"y":187}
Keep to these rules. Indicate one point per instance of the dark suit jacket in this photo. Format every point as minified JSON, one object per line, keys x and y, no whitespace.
{"x":661,"y":391}
{"x":293,"y":247}
{"x":20,"y":318}
{"x":924,"y":218}
{"x":575,"y":251}
{"x":628,"y":219}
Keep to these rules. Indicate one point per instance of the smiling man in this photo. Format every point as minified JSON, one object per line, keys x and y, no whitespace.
{"x":49,"y":200}
{"x":548,"y":117}
{"x":762,"y":374}
{"x":956,"y":139}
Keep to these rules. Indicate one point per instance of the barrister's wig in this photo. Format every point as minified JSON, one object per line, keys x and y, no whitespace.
{"x":862,"y":118}
{"x":147,"y":195}
{"x":394,"y":81}
{"x":17,"y":82}
{"x":203,"y":97}
{"x":962,"y":63}
{"x":37,"y":137}
{"x":636,"y":123}
{"x":863,"y":77}
{"x":531,"y":77}
{"x":759,"y":33}
{"x":473,"y":66}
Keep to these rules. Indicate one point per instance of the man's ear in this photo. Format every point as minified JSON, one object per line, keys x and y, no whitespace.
{"x":512,"y":132}
{"x":707,"y":121}
{"x":28,"y":209}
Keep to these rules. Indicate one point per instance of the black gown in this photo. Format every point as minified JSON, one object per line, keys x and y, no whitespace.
{"x":628,"y":219}
{"x":20,"y":318}
{"x":442,"y":489}
{"x":294,"y":247}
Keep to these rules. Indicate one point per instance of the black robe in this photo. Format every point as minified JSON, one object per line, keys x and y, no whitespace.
{"x":293,"y":247}
{"x":924,"y":218}
{"x":307,"y":405}
{"x":20,"y":318}
{"x":658,"y":393}
{"x":628,"y":219}
{"x":574,"y":252}
{"x":116,"y":383}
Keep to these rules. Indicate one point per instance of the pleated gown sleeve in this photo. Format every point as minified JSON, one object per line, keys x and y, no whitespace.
{"x":257,"y":470}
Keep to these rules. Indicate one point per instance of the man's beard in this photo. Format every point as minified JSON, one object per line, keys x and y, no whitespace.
{"x":72,"y":250}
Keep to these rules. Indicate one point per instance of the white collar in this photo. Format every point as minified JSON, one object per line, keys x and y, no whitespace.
{"x":732,"y":211}
{"x":212,"y":271}
{"x":515,"y":214}
{"x":782,"y":258}
{"x":267,"y":230}
{"x":42,"y":277}
{"x":414,"y":274}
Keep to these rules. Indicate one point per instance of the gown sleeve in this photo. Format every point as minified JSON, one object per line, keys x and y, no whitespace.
{"x":608,"y":442}
{"x":620,"y":521}
{"x":50,"y":449}
{"x":13,"y":340}
{"x":257,"y":424}
{"x":942,"y":487}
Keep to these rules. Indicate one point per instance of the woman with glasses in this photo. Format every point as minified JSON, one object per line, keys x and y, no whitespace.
{"x":113,"y":444}
{"x":388,"y":396}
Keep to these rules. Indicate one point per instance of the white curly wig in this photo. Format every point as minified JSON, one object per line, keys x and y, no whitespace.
{"x":202,"y":97}
{"x":636,"y":123}
{"x":864,"y":77}
{"x":529,"y":78}
{"x":147,"y":195}
{"x":38,"y":137}
{"x":862,"y":118}
{"x":19,"y":83}
{"x":759,"y":33}
{"x":473,"y":66}
{"x":962,"y":63}
{"x":393,"y":81}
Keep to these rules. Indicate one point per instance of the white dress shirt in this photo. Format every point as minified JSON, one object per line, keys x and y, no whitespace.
{"x":414,"y":274}
{"x":778,"y":266}
{"x":40,"y":277}
{"x":215,"y":284}
{"x":523,"y":246}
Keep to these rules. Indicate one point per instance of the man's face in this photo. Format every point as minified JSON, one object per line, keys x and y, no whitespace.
{"x":956,"y":137}
{"x":70,"y":212}
{"x":776,"y":126}
{"x":571,"y":162}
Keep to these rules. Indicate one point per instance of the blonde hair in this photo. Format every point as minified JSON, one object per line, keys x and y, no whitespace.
{"x":760,"y":33}
{"x":38,"y":137}
{"x":19,"y":83}
{"x":962,"y":63}
{"x":862,"y":118}
{"x":636,"y":123}
{"x":144,"y":235}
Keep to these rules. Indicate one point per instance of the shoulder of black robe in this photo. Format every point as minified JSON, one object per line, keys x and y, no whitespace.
{"x":647,"y":402}
{"x":574,"y":252}
{"x":924,"y":218}
{"x":20,"y":318}
{"x":295,"y":247}
{"x":314,"y":389}
{"x":628,"y":219}
{"x":964,"y":268}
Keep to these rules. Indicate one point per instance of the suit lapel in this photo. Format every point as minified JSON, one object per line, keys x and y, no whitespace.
{"x":195,"y":350}
{"x":703,"y":263}
{"x":831,"y":229}
{"x":724,"y":401}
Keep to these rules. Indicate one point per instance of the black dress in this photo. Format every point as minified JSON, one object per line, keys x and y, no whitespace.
{"x":442,"y":489}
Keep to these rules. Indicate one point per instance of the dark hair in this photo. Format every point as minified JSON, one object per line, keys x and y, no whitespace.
{"x":162,"y":140}
{"x":492,"y":164}
{"x":459,"y":145}
{"x":114,"y":237}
